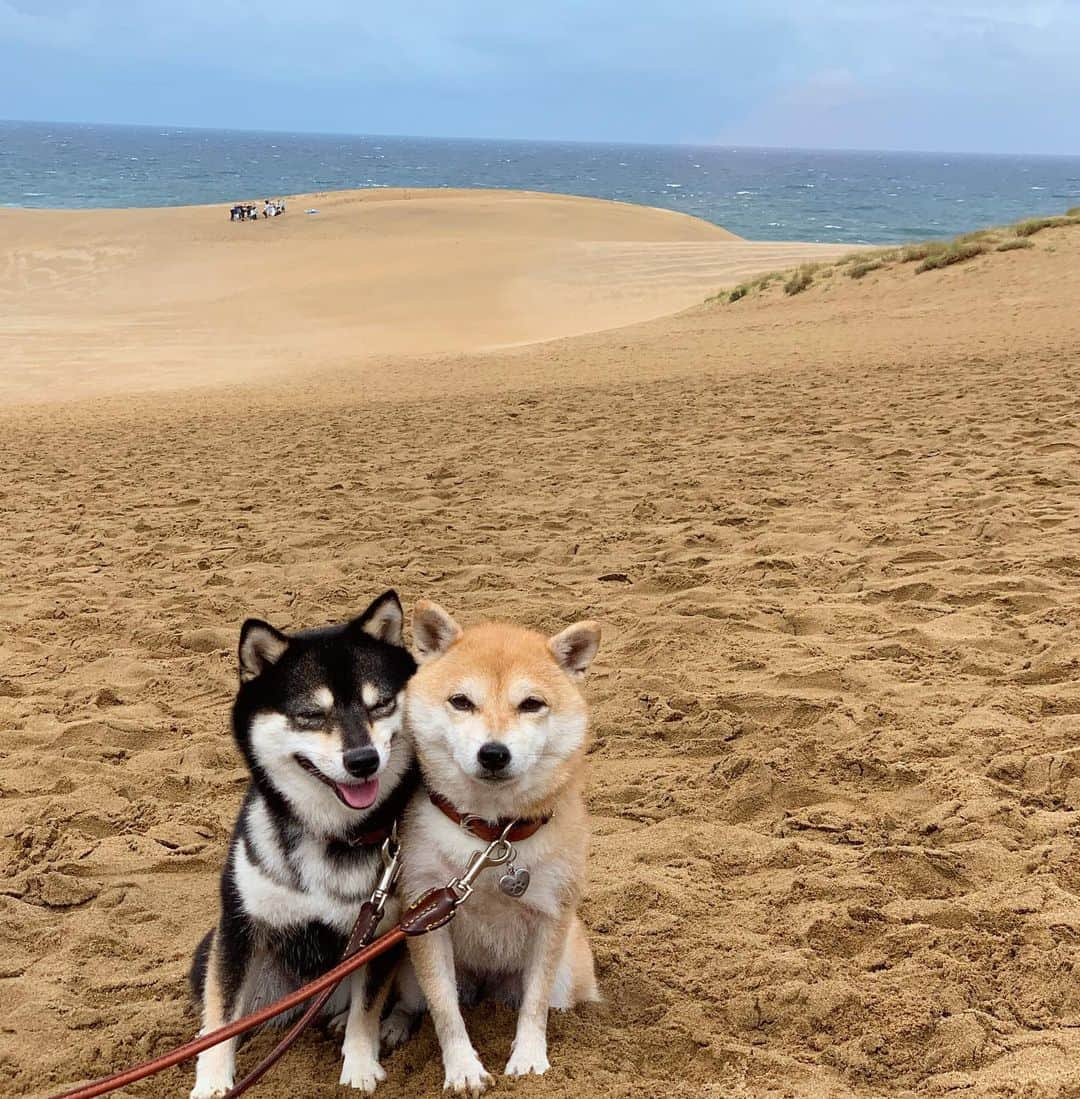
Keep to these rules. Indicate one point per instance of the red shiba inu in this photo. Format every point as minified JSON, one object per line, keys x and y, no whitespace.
{"x":498,"y":722}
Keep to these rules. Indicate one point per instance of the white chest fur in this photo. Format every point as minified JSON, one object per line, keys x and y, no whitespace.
{"x":285,"y":888}
{"x":492,"y":931}
{"x":281,"y":905}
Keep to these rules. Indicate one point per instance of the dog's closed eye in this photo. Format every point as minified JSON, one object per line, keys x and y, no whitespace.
{"x":383,"y":709}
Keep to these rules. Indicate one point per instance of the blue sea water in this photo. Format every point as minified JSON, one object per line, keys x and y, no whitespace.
{"x":765,"y":194}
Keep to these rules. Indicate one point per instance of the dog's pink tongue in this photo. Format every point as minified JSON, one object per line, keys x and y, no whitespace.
{"x":361,"y":795}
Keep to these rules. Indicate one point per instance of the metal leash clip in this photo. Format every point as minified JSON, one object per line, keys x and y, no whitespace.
{"x":498,"y":852}
{"x":391,"y":860}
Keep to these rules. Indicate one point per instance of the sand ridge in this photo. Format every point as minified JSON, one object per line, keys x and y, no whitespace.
{"x":833,"y":779}
{"x":120,"y":301}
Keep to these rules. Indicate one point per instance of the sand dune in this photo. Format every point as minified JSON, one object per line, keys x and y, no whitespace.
{"x":95,"y":302}
{"x":834,"y":780}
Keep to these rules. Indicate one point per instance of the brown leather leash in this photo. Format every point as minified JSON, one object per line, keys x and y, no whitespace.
{"x":434,"y":909}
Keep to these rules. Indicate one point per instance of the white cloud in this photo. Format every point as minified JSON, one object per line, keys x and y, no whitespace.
{"x":651,"y":67}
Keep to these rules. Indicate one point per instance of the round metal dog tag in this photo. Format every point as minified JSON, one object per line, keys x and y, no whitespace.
{"x":515,"y":881}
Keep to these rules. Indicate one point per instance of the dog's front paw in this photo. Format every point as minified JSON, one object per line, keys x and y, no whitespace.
{"x":336,"y":1024}
{"x":363,"y":1073}
{"x":465,"y":1075}
{"x":210,"y":1089}
{"x":528,"y":1058}
{"x":214,"y":1072}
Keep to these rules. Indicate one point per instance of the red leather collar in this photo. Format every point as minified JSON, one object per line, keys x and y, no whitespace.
{"x":489,"y":830}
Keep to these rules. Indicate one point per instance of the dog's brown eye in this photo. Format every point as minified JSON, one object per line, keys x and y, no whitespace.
{"x":309,"y":717}
{"x":462,"y":703}
{"x":531,"y":705}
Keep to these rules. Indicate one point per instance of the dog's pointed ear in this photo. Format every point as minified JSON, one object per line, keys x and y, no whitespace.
{"x":384,"y":619}
{"x":434,"y":631}
{"x":575,"y":647}
{"x":260,"y":646}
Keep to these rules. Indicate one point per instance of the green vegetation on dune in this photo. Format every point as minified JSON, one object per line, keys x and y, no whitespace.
{"x":956,"y":252}
{"x":927,"y":255}
{"x":923,"y":250}
{"x":801,"y":278}
{"x":864,"y":267}
{"x":744,"y":288}
{"x":868,"y":255}
{"x":1032,"y":226}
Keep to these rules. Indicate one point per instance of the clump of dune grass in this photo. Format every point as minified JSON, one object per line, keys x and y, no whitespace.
{"x":922,"y":250}
{"x":1031,"y":226}
{"x":956,"y":252}
{"x":863,"y":268}
{"x":868,"y":255}
{"x":987,"y":236}
{"x":751,"y":286}
{"x":763,"y":282}
{"x":801,"y":278}
{"x":929,"y":255}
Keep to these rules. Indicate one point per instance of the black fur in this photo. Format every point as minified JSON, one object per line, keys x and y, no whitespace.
{"x":197,"y":974}
{"x":278,"y":673}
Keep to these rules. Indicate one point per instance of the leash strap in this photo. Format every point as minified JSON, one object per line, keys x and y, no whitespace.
{"x":241,"y":1026}
{"x":434,"y":909}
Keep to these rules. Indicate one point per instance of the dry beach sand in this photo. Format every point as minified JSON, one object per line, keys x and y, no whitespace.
{"x":833,"y":539}
{"x":99,"y":302}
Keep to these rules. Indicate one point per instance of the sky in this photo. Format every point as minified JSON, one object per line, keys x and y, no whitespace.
{"x":947,"y":75}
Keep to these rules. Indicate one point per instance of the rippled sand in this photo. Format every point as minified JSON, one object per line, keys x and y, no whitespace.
{"x":836,"y":772}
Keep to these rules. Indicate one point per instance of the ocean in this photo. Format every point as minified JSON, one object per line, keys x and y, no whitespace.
{"x":764,"y":194}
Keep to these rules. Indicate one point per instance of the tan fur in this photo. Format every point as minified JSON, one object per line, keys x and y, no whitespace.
{"x":536,"y":939}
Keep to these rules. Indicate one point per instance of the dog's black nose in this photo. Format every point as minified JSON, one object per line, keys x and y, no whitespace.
{"x":493,"y":756}
{"x":361,"y":762}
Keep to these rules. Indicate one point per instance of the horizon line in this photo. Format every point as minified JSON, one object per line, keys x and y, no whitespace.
{"x":728,"y":145}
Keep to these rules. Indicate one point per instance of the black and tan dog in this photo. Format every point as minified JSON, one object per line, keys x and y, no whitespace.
{"x":317,"y":718}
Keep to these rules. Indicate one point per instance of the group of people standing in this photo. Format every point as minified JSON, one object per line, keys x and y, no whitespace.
{"x":249,"y":211}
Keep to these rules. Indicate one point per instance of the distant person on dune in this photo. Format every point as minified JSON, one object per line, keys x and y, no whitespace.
{"x":249,"y":211}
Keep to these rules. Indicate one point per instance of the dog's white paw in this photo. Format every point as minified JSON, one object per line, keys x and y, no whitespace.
{"x":336,"y":1025}
{"x":214,"y":1072}
{"x":528,"y":1058}
{"x":396,"y":1029}
{"x":363,"y":1073}
{"x":210,"y":1089}
{"x":465,"y":1075}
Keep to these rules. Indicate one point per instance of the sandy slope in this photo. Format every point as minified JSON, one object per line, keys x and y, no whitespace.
{"x":96,"y":302}
{"x":834,"y":782}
